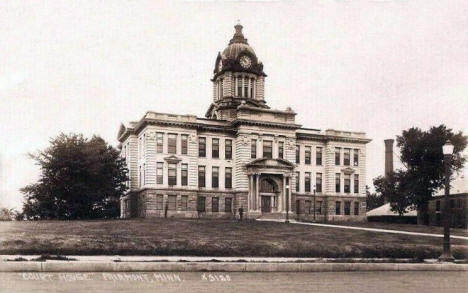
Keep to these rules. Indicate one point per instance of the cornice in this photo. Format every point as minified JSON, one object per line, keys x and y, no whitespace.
{"x":325,"y":138}
{"x":237,"y":122}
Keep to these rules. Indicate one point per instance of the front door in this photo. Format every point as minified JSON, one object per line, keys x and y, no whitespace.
{"x":266,"y":204}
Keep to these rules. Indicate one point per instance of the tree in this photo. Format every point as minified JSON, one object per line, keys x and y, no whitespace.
{"x":80,"y":179}
{"x":7,"y":214}
{"x":373,"y":200}
{"x":423,"y":172}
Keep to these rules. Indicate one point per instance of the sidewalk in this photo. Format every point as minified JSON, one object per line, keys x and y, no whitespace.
{"x":366,"y":229}
{"x":216,"y":264}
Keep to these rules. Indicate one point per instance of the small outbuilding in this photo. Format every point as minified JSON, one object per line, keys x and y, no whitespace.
{"x":384,"y":213}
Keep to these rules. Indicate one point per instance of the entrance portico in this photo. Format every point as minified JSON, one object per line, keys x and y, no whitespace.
{"x":268,"y":179}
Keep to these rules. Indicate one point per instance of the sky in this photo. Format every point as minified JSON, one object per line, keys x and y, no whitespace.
{"x":86,"y":66}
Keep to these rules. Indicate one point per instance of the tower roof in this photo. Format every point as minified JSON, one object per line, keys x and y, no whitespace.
{"x":237,"y":44}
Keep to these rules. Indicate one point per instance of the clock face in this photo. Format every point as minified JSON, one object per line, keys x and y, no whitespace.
{"x":245,"y":61}
{"x":220,"y":65}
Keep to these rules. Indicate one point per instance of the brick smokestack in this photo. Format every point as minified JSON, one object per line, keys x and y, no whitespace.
{"x":388,"y":160}
{"x":388,"y":156}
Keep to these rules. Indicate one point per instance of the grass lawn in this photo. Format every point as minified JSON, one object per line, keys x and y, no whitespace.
{"x":404,"y":227}
{"x":211,"y":238}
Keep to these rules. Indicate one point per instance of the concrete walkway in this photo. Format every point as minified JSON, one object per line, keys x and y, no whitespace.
{"x":151,"y":258}
{"x":366,"y":229}
{"x":83,"y":266}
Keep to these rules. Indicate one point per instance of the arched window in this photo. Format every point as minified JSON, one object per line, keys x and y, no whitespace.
{"x":268,"y":186}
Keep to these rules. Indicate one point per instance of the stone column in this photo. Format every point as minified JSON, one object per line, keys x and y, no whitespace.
{"x":290,"y":195}
{"x":287,"y":204}
{"x":282,"y":195}
{"x":251,"y":192}
{"x":257,"y":185}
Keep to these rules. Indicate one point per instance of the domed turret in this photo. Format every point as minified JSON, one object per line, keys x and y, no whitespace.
{"x":238,"y":56}
{"x":236,"y":45}
{"x":238,"y":79}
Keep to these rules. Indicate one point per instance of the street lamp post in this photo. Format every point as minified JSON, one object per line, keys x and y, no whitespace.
{"x":448,"y":152}
{"x":287,"y":200}
{"x":314,"y":203}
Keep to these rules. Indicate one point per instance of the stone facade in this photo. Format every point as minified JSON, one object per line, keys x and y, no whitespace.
{"x":241,"y":155}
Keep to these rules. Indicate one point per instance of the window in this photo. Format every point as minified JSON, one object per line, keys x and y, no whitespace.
{"x":337,"y":183}
{"x":140,"y":150}
{"x":172,"y":174}
{"x":356,"y":183}
{"x":347,"y":208}
{"x":139,"y":176}
{"x":307,"y":207}
{"x":356,"y":157}
{"x":337,"y":156}
{"x":297,"y":181}
{"x":144,"y":174}
{"x":228,"y":177}
{"x":319,"y":207}
{"x":252,"y":81}
{"x":159,"y":201}
{"x":183,"y":202}
{"x":201,"y":176}
{"x":228,"y":149}
{"x":184,"y":175}
{"x":172,"y":143}
{"x":228,"y":205}
{"x":281,"y":149}
{"x":338,"y":208}
{"x":159,"y":172}
{"x":438,"y":206}
{"x":318,"y":182}
{"x":221,"y":88}
{"x":215,"y":204}
{"x":298,"y":154}
{"x":346,"y":157}
{"x":253,"y":149}
{"x":159,"y":142}
{"x":184,"y":144}
{"x":239,"y":86}
{"x":215,"y":148}
{"x":215,"y":177}
{"x":267,"y":149}
{"x":459,"y":203}
{"x":202,"y":147}
{"x":356,"y":208}
{"x":452,"y":203}
{"x":307,"y":182}
{"x":201,"y":204}
{"x":246,"y":87}
{"x":171,"y":202}
{"x":318,"y":156}
{"x":347,"y":183}
{"x":307,"y":155}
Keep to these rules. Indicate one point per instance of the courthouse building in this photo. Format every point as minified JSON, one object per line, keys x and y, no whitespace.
{"x":241,"y":154}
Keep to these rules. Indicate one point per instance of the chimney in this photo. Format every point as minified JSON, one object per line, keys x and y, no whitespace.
{"x":388,"y":156}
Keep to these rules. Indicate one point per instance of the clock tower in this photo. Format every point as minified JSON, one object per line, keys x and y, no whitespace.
{"x":238,"y":79}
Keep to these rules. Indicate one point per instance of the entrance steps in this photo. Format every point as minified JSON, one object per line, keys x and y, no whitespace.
{"x":276,"y":216}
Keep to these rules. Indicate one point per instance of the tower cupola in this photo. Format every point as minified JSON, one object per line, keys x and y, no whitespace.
{"x":238,"y":78}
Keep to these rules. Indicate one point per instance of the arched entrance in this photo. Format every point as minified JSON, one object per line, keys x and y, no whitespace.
{"x":268,"y":186}
{"x":269,"y":192}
